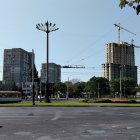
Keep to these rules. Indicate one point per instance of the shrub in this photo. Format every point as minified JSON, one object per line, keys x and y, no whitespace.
{"x":103,"y":101}
{"x":84,"y":100}
{"x":132,"y":101}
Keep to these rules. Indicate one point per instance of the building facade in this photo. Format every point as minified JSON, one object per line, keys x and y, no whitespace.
{"x":120,"y":61}
{"x":16,"y":65}
{"x":54,"y":73}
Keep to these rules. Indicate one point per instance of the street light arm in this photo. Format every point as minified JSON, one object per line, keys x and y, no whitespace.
{"x":54,"y":29}
{"x":47,"y":27}
{"x":37,"y":27}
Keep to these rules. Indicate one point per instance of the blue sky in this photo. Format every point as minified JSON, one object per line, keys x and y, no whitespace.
{"x":85,"y":27}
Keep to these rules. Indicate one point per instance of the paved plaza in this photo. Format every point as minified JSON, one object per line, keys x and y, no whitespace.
{"x":69,"y":123}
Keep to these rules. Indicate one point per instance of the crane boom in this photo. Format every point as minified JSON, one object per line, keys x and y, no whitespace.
{"x":136,"y":46}
{"x":119,"y":28}
{"x":132,"y":43}
{"x":73,"y":66}
{"x":117,"y":25}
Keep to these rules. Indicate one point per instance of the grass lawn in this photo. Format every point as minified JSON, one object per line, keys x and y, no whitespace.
{"x":68,"y":103}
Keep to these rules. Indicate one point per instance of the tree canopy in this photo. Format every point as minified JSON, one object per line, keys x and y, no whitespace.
{"x":97,"y":85}
{"x":127,"y":85}
{"x":135,"y":4}
{"x":61,"y":87}
{"x":36,"y":79}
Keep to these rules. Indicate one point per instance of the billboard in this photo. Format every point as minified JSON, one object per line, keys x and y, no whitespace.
{"x":26,"y":85}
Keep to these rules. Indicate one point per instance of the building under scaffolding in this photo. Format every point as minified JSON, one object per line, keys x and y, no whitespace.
{"x":120,"y":61}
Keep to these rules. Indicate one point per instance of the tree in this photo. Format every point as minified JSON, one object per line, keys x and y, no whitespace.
{"x":131,"y":3}
{"x":115,"y":86}
{"x":127,"y":85}
{"x":98,"y":85}
{"x":36,"y":79}
{"x":69,"y":88}
{"x":78,"y":88}
{"x":60,"y":87}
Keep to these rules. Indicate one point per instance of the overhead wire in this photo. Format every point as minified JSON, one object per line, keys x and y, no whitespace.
{"x":90,"y":46}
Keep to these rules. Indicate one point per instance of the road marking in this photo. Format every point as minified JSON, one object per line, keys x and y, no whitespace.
{"x":57,"y":116}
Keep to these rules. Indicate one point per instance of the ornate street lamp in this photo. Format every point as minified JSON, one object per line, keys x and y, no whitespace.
{"x":47,"y":28}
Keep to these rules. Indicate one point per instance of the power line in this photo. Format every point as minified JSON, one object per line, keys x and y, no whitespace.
{"x":87,"y":48}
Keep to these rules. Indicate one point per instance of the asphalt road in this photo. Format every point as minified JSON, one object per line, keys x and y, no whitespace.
{"x":69,"y":123}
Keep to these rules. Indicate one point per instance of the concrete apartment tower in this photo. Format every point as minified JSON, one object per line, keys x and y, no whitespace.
{"x":16,"y":65}
{"x":120,"y":61}
{"x":54,"y":73}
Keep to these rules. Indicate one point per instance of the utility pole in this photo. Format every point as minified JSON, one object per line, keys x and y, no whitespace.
{"x":67,"y":96}
{"x":98,"y":90}
{"x":40,"y":92}
{"x":33,"y":92}
{"x":47,"y":28}
{"x":120,"y":81}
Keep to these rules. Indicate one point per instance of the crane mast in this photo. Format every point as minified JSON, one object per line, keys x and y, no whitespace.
{"x":119,"y":29}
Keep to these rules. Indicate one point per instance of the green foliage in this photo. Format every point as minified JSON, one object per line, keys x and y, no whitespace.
{"x":103,"y":101}
{"x":131,"y":3}
{"x":61,"y":87}
{"x":69,"y":103}
{"x":78,"y":88}
{"x":127,"y":85}
{"x":84,"y":100}
{"x":98,"y":85}
{"x":36,"y":79}
{"x":132,"y":101}
{"x":74,"y":89}
{"x":115,"y":85}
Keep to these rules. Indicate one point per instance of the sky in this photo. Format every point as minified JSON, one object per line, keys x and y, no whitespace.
{"x":85,"y":27}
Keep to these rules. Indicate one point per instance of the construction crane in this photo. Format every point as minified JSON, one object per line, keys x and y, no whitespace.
{"x":132,"y":43}
{"x":73,"y":66}
{"x":119,"y":28}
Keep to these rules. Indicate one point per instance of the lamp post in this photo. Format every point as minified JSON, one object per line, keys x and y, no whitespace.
{"x":67,"y":95}
{"x":47,"y":28}
{"x":120,"y":81}
{"x":33,"y":86}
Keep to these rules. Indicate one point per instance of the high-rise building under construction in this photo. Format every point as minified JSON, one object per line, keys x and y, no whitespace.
{"x":120,"y":61}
